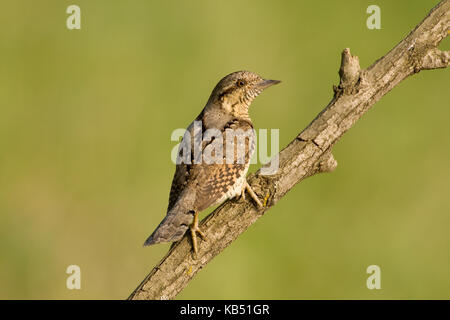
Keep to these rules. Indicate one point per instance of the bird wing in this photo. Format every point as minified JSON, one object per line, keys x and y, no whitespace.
{"x":217,"y":181}
{"x":211,"y":182}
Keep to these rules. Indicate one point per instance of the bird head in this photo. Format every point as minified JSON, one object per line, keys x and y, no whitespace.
{"x":235,"y":92}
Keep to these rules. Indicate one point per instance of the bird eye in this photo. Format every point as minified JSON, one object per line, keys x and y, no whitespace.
{"x":240,"y":83}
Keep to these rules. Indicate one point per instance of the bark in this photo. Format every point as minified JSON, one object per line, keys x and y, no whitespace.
{"x":308,"y":154}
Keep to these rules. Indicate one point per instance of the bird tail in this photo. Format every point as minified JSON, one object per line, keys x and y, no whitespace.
{"x":172,"y":227}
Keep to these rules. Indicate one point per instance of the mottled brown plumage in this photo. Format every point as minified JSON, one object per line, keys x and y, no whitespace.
{"x":199,"y":185}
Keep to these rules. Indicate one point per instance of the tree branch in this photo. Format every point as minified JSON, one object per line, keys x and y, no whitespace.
{"x":309,"y":153}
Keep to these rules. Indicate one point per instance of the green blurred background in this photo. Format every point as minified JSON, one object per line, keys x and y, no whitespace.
{"x":85,"y":123}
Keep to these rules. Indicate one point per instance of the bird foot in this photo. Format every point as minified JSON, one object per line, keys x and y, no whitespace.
{"x":252,"y":194}
{"x":194,"y":230}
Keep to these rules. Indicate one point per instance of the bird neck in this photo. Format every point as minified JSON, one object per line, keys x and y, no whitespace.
{"x":217,"y":115}
{"x":241,"y":112}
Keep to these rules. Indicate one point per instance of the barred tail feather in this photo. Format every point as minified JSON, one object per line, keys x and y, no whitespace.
{"x":172,"y":227}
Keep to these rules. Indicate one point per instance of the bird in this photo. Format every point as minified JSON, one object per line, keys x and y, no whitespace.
{"x":198,"y":182}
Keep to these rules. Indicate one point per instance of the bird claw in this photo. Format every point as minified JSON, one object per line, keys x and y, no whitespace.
{"x":243,"y":194}
{"x":252,"y":194}
{"x":194,"y":230}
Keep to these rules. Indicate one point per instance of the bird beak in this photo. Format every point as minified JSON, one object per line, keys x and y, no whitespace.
{"x":265,"y":83}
